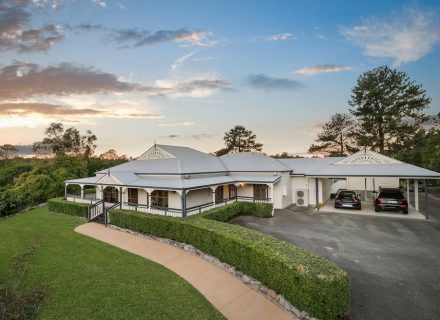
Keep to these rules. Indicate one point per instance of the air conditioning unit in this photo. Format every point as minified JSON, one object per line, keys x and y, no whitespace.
{"x":302,"y":197}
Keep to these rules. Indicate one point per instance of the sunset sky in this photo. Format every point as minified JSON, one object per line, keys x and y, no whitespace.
{"x":184,"y":72}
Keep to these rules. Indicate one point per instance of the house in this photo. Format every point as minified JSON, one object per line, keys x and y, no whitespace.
{"x":180,"y":181}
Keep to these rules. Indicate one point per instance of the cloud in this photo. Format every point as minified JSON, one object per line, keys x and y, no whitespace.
{"x":201,"y":136}
{"x":261,"y":81}
{"x":172,"y":136}
{"x":180,"y":61}
{"x":199,"y":87}
{"x":59,"y":111}
{"x":279,"y":36}
{"x":322,"y":68}
{"x":405,"y":37}
{"x":179,"y":124}
{"x":99,"y":3}
{"x":86,"y":27}
{"x":24,"y":80}
{"x":16,"y":35}
{"x":139,"y":37}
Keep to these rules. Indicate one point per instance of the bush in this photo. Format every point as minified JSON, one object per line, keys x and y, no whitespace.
{"x":11,"y":202}
{"x":306,"y":280}
{"x":71,"y":208}
{"x":226,"y":213}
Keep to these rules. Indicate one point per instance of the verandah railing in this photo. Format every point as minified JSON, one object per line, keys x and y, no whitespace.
{"x":95,"y":210}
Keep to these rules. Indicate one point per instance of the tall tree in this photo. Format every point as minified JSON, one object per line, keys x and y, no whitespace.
{"x":6,"y":150}
{"x":88,"y":143}
{"x":239,"y":139}
{"x":336,"y":137}
{"x":389,"y":108}
{"x":66,"y":142}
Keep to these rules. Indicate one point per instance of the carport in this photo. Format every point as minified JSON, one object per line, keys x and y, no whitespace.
{"x":366,"y":171}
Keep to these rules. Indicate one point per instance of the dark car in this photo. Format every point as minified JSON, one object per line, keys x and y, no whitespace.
{"x":347,"y":199}
{"x":390,"y":198}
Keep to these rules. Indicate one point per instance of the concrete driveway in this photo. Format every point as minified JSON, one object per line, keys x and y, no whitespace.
{"x":393,"y":264}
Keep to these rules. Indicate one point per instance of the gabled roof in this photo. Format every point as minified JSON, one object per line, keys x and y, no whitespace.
{"x":368,"y":157}
{"x":360,"y":164}
{"x":253,"y":162}
{"x":171,"y":160}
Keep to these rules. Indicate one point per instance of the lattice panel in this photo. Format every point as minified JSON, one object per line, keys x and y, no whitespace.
{"x":155,"y":153}
{"x":367,"y":157}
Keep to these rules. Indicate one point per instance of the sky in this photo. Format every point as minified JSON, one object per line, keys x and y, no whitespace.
{"x":185,"y":72}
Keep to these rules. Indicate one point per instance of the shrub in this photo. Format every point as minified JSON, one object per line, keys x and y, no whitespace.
{"x":226,"y":213}
{"x":11,"y":202}
{"x":306,"y":280}
{"x":71,"y":208}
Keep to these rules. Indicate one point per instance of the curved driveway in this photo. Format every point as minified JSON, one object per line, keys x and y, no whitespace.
{"x":393,"y":264}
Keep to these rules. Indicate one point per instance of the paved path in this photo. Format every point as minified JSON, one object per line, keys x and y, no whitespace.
{"x":229,"y":295}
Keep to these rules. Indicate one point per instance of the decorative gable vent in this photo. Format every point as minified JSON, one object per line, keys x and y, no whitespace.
{"x":155,"y":153}
{"x":367,"y":157}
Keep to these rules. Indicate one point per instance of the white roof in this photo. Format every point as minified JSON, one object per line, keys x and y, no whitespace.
{"x":360,"y":164}
{"x":163,"y":159}
{"x":172,"y":167}
{"x":252,"y":162}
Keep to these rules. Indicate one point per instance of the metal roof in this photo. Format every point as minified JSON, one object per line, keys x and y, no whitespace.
{"x":91,"y":180}
{"x":183,"y":168}
{"x":184,"y":160}
{"x":360,"y":164}
{"x":252,"y":162}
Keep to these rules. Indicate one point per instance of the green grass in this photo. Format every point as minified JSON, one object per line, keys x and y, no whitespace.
{"x":87,"y":279}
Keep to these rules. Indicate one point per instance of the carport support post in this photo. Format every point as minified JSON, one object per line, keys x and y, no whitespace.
{"x":416,"y":194}
{"x":82,"y":190}
{"x":407,"y":192}
{"x":65,"y":191}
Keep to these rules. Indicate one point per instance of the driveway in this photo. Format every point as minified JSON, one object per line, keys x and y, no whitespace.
{"x":393,"y":264}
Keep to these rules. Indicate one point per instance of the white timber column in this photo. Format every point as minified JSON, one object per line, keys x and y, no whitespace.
{"x":407,"y":192}
{"x":149,"y":192}
{"x":82,"y":190}
{"x":213,"y":195}
{"x":416,"y":194}
{"x":271,"y":186}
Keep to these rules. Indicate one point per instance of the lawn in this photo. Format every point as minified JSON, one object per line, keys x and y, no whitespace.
{"x":87,"y":279}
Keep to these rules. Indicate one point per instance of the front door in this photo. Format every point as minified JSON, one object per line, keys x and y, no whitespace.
{"x":111,"y":195}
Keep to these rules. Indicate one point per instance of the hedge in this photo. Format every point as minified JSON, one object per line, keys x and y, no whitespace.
{"x":71,"y":208}
{"x":306,"y":280}
{"x":226,"y":213}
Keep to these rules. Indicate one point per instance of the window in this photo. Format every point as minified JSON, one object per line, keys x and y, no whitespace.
{"x":219,"y":194}
{"x":132,"y":195}
{"x":159,"y":198}
{"x":260,"y":191}
{"x":232,"y":191}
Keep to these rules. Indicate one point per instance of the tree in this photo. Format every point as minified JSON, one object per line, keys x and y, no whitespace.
{"x":389,"y":108}
{"x":336,"y":138}
{"x":6,"y":149}
{"x":283,"y":155}
{"x":68,"y":142}
{"x":112,"y":155}
{"x":239,"y":139}
{"x":88,"y":144}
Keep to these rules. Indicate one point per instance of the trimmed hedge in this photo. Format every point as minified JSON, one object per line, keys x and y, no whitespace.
{"x":67,"y":207}
{"x":226,"y":213}
{"x":306,"y":280}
